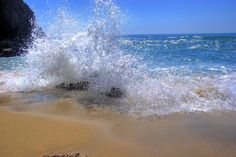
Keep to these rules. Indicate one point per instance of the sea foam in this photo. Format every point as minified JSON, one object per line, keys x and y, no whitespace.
{"x":95,"y":55}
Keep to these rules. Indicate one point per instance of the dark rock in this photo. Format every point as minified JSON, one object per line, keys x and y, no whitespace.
{"x":17,"y":22}
{"x":10,"y":49}
{"x":63,"y":155}
{"x":82,"y":85}
{"x":116,"y":93}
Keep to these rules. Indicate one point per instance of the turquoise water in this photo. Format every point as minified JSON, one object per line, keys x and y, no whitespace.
{"x":158,"y":74}
{"x":203,"y":53}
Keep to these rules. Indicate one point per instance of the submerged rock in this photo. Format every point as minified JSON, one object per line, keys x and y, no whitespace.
{"x":116,"y":93}
{"x":82,"y":85}
{"x":16,"y":27}
{"x":63,"y":155}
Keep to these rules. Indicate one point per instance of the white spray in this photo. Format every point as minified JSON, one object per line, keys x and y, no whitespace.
{"x":94,"y":55}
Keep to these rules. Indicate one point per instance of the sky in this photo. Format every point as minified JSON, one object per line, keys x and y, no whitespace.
{"x":153,"y":16}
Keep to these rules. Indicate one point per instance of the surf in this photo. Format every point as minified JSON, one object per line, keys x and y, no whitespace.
{"x":68,"y":55}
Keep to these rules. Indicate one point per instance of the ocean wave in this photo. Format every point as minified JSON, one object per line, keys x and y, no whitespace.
{"x":96,"y":55}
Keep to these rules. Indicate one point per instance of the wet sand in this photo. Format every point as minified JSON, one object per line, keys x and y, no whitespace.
{"x":34,"y":129}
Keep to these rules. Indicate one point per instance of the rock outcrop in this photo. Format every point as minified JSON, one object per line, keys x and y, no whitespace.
{"x":84,"y":85}
{"x":17,"y":22}
{"x":116,"y":93}
{"x":63,"y":155}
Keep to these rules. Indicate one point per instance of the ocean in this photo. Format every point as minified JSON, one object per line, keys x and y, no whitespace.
{"x":90,"y":90}
{"x":158,"y":74}
{"x":162,"y":74}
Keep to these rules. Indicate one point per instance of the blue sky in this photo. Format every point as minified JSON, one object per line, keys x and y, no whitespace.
{"x":154,"y":16}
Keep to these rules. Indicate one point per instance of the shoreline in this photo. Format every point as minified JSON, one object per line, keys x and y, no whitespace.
{"x":30,"y":129}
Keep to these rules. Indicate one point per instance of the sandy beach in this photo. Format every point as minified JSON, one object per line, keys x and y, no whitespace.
{"x":62,"y":126}
{"x":117,"y":78}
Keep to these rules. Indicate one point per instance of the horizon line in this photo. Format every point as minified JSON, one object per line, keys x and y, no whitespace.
{"x":173,"y":33}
